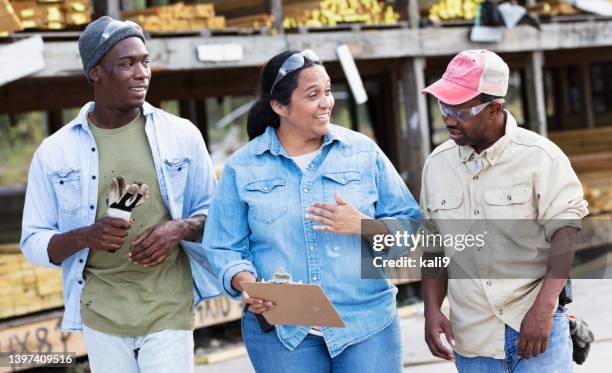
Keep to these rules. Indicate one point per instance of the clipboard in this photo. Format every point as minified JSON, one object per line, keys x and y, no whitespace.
{"x":295,"y":304}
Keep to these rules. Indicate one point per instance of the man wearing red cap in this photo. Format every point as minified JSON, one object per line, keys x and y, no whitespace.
{"x":504,"y":314}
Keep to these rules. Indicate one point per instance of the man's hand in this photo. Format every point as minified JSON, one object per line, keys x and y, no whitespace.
{"x":435,"y":324}
{"x":155,"y":244}
{"x":107,"y":234}
{"x":535,"y":330}
{"x":342,"y":218}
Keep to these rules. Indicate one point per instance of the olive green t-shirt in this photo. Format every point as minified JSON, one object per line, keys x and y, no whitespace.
{"x":121,"y":297}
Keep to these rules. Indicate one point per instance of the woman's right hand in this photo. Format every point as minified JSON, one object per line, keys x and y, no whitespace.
{"x":256,"y":305}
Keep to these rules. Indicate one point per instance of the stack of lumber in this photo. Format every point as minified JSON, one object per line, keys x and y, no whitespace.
{"x":254,"y":21}
{"x":9,"y":22}
{"x":553,"y":8}
{"x":25,"y":288}
{"x":334,"y":12}
{"x":52,"y":14}
{"x":590,"y":152}
{"x":598,"y":191}
{"x":445,"y":10}
{"x":177,"y":17}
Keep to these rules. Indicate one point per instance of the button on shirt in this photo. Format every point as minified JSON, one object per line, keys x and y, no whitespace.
{"x":62,"y":195}
{"x":257,"y":224}
{"x":523,"y":176}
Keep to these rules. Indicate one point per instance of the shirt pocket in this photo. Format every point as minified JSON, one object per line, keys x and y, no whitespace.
{"x":347,"y":183}
{"x":177,"y":170}
{"x":514,"y":202}
{"x":267,"y":199}
{"x":446,"y":205}
{"x":68,"y":190}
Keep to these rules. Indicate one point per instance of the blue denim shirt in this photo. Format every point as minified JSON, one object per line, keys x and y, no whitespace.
{"x":62,"y":194}
{"x":256,"y":223}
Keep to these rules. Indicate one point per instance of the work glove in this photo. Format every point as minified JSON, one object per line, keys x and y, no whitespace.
{"x":582,"y":337}
{"x":122,"y":198}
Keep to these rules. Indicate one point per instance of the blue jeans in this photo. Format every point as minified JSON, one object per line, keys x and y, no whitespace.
{"x":167,"y":351}
{"x":556,"y":359}
{"x":382,"y":352}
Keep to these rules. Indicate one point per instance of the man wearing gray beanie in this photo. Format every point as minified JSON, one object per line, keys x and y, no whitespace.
{"x":130,"y":283}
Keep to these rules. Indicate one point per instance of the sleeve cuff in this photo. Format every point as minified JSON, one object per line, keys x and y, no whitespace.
{"x":229,"y":271}
{"x":553,"y":225}
{"x":202,"y":211}
{"x":36,"y":249}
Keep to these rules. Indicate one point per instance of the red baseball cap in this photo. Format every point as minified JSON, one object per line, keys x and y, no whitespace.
{"x":469,"y":74}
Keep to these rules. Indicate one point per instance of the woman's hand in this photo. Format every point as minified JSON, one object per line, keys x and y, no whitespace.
{"x":342,"y":218}
{"x":256,"y":305}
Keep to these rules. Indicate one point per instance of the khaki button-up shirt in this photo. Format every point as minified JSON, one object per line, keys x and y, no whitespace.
{"x":522,"y":176}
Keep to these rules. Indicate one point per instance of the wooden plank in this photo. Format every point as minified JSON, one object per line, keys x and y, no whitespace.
{"x":535,"y":92}
{"x":414,"y":15}
{"x":275,"y":8}
{"x":12,"y":248}
{"x":587,"y":94}
{"x":416,"y":134}
{"x":39,"y":334}
{"x":173,"y":54}
{"x":106,"y":7}
{"x":216,"y":311}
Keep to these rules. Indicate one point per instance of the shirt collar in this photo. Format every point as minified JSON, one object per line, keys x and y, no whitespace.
{"x":269,"y":141}
{"x":494,"y":152}
{"x":81,"y":119}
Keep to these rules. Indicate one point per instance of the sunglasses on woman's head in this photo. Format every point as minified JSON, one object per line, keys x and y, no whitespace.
{"x":292,"y":63}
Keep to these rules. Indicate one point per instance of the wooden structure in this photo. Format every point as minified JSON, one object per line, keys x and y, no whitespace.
{"x":395,"y":64}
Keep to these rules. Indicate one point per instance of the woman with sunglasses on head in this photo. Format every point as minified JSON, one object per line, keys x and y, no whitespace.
{"x":294,"y":198}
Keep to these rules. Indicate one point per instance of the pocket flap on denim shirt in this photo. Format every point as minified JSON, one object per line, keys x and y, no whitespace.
{"x":65,"y":174}
{"x":344,"y":177}
{"x":177,"y":163}
{"x":265,"y":186}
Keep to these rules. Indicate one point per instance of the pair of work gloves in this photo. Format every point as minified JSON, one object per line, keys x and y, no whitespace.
{"x":582,"y":337}
{"x":122,"y":198}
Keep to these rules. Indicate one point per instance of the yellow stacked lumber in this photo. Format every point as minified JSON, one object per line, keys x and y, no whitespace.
{"x":445,"y":10}
{"x":255,"y":21}
{"x":334,"y":12}
{"x":9,"y":22}
{"x":52,"y":14}
{"x":598,"y":191}
{"x":553,"y":8}
{"x":25,"y":288}
{"x":77,"y":12}
{"x":177,"y":17}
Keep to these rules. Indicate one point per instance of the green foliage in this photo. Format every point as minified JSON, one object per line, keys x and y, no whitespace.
{"x":18,"y":142}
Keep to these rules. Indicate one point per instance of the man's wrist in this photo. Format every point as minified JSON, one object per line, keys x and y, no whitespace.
{"x":182,"y":228}
{"x":545,"y":305}
{"x":82,"y":236}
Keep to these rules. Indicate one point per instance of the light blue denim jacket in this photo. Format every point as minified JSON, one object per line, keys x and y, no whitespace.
{"x":256,"y":224}
{"x":62,"y":195}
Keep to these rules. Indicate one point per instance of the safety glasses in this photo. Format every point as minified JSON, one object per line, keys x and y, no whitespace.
{"x":294,"y":62}
{"x":466,"y":113}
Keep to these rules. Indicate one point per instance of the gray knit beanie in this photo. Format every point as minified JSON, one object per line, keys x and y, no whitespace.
{"x":100,"y":36}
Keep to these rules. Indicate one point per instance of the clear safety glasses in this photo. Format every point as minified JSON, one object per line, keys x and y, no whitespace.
{"x":466,"y":113}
